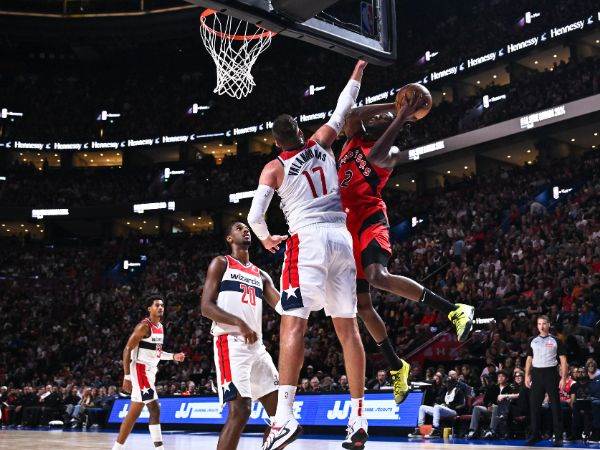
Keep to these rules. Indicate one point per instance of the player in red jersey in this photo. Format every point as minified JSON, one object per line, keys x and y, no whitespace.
{"x":364,"y":167}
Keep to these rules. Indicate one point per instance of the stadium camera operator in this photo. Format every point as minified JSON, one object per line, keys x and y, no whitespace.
{"x":543,"y":355}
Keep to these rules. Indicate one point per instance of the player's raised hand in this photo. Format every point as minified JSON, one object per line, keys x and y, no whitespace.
{"x":271,"y":243}
{"x":359,"y":68}
{"x":249,"y":335}
{"x":179,"y":357}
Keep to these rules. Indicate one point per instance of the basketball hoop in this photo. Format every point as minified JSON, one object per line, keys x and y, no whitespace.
{"x":234,"y":45}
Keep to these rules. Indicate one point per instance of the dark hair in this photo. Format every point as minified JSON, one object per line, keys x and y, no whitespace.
{"x":230,"y":226}
{"x":149,"y":299}
{"x":502,"y":372}
{"x":285,"y":130}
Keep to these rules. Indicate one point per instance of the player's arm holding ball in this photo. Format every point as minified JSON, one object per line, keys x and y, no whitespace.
{"x":357,"y":116}
{"x":141,"y":331}
{"x":413,"y":102}
{"x":208,"y":303}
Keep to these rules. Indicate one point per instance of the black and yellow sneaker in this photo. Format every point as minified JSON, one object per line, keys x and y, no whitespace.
{"x":462,"y":318}
{"x":400,"y":382}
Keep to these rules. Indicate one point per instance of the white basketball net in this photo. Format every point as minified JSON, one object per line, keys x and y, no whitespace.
{"x":234,"y":45}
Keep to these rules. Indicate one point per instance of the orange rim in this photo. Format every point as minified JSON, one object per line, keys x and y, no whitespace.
{"x":233,"y":37}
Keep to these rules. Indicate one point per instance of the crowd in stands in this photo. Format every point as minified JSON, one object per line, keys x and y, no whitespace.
{"x":26,"y":186}
{"x":494,"y":246}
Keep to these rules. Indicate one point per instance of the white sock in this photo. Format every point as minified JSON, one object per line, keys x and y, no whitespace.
{"x":357,"y":407}
{"x":118,"y":446}
{"x":285,"y":403}
{"x":155,"y":434}
{"x":162,"y":447}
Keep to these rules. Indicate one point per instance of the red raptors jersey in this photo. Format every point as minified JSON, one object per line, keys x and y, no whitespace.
{"x":361,"y":182}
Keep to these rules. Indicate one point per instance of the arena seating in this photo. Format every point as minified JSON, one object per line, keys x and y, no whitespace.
{"x":516,"y":262}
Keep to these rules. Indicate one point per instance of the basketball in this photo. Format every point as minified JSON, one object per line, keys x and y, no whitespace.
{"x":407,"y":93}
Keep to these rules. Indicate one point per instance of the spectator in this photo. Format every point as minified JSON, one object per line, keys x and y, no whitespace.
{"x":581,"y":406}
{"x":379,"y":382}
{"x":594,"y":392}
{"x":304,"y":386}
{"x":453,"y":403}
{"x":491,"y":390}
{"x":343,"y":385}
{"x":315,"y":385}
{"x":506,"y":395}
{"x":592,"y":368}
{"x":70,"y":401}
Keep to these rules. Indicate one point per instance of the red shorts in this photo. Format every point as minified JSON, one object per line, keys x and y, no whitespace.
{"x":371,"y":243}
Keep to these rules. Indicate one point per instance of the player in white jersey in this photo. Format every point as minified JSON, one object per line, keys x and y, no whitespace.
{"x":232,"y":297}
{"x":319,"y":270}
{"x":142,"y":353}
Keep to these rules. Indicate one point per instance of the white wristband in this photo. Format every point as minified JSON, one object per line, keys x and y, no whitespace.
{"x":127,"y":377}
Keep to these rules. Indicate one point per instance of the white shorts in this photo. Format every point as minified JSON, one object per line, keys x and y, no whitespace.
{"x":319,"y":272}
{"x":243,"y":369}
{"x":142,"y":383}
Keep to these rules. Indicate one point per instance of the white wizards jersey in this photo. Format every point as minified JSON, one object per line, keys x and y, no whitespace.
{"x":149,"y":349}
{"x":240,"y":294}
{"x":310,"y":191}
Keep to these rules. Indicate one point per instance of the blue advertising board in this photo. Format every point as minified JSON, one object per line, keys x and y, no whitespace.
{"x":318,"y":410}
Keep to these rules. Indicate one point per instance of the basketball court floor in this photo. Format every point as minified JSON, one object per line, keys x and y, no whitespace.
{"x":34,"y":439}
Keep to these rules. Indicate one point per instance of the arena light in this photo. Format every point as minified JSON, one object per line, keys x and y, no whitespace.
{"x":41,"y":213}
{"x":2,"y":178}
{"x":236,"y":197}
{"x":487,"y":100}
{"x":312,"y":90}
{"x":557,"y":192}
{"x":168,"y":173}
{"x":196,"y":108}
{"x":5,"y":113}
{"x":141,"y":208}
{"x":105,"y":115}
{"x":127,"y":264}
{"x":430,"y":55}
{"x":416,"y":221}
{"x":529,"y":16}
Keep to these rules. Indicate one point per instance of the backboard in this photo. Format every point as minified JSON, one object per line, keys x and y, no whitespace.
{"x":361,"y":29}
